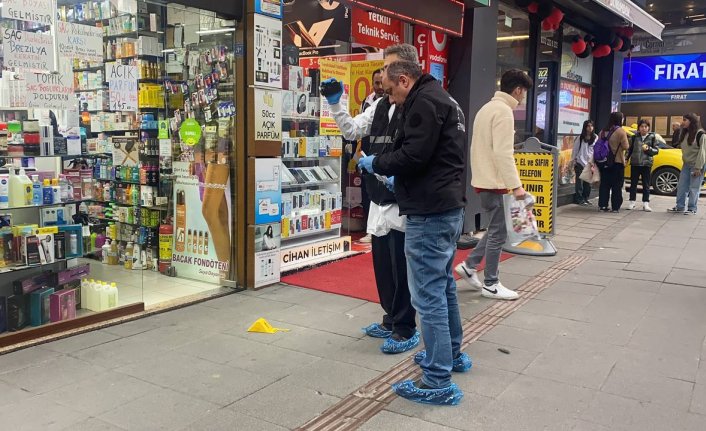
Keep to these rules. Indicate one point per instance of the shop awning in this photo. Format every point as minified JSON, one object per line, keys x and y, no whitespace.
{"x":634,"y":14}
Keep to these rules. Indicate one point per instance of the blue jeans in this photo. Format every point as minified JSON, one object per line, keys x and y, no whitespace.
{"x":690,"y":186}
{"x":430,"y":247}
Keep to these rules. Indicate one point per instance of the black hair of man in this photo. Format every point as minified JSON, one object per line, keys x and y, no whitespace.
{"x":514,"y":78}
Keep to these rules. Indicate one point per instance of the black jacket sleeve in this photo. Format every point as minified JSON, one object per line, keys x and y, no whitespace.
{"x":421,"y":130}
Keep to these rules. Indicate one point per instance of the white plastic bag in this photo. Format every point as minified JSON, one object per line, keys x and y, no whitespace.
{"x":523,"y":222}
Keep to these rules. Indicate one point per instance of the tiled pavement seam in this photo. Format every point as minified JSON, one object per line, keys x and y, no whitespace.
{"x":360,"y":406}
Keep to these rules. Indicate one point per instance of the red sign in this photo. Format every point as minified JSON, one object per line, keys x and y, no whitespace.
{"x":374,"y":29}
{"x":433,"y":49}
{"x":442,"y":15}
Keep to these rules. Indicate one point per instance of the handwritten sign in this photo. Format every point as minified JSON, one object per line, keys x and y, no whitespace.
{"x":50,"y":90}
{"x":28,"y":10}
{"x":27,"y":50}
{"x":122,"y":84}
{"x":80,"y":41}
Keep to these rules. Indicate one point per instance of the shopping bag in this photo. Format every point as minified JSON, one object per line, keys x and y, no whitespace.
{"x":524,"y":224}
{"x":587,"y":174}
{"x":595,"y":174}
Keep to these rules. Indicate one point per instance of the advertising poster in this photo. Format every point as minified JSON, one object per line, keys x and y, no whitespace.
{"x":361,"y":80}
{"x":574,"y":107}
{"x":342,"y":72}
{"x":267,"y":254}
{"x":433,"y":50}
{"x":27,"y":50}
{"x":536,"y":172}
{"x":50,"y":91}
{"x":296,"y":257}
{"x":268,"y":190}
{"x":268,"y":52}
{"x":38,"y":11}
{"x":122,"y":86}
{"x":80,"y":41}
{"x":374,"y":29}
{"x":575,"y":68}
{"x":317,"y":28}
{"x":269,"y":7}
{"x":125,"y":151}
{"x":201,"y":221}
{"x":566,"y":146}
{"x":268,"y":115}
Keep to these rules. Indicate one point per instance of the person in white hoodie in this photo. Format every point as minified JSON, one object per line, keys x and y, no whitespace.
{"x":493,"y":174}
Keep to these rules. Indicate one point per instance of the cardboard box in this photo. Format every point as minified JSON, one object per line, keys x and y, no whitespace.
{"x":62,"y":305}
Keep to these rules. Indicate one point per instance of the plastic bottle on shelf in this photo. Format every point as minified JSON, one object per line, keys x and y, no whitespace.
{"x":64,"y":187}
{"x":47,"y":196}
{"x":113,"y":253}
{"x":37,"y":197}
{"x":84,"y":292}
{"x":128,"y":255}
{"x":95,"y":295}
{"x":135,"y":195}
{"x":55,"y":191}
{"x":112,"y":295}
{"x":135,"y":175}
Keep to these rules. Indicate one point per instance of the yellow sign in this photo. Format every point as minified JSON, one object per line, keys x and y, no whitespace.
{"x":361,"y":83}
{"x":342,"y":72}
{"x":537,"y":175}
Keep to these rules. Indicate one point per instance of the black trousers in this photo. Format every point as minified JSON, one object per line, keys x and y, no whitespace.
{"x":390,"y":265}
{"x":637,"y":172}
{"x":612,"y":180}
{"x":583,"y":189}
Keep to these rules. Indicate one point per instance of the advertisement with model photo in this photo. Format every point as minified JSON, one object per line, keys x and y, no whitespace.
{"x":317,"y":28}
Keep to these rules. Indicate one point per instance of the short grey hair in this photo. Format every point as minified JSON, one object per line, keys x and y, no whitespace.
{"x":406,"y":68}
{"x":404,"y":51}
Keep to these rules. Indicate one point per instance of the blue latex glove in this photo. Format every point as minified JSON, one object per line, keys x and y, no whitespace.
{"x":390,"y":184}
{"x":366,"y":163}
{"x":333,"y":99}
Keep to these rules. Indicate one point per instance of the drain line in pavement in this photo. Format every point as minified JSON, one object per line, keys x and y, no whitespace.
{"x":358,"y":407}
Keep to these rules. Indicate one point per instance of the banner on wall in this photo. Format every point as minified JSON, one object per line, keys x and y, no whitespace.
{"x":342,"y":72}
{"x":28,"y":10}
{"x":575,"y":68}
{"x":297,"y":257}
{"x":374,"y":29}
{"x":433,"y":49}
{"x":574,"y":106}
{"x":202,"y":221}
{"x":269,"y":7}
{"x":27,"y":50}
{"x":268,"y":190}
{"x":268,"y":115}
{"x":361,"y":83}
{"x":665,"y":73}
{"x":122,"y":86}
{"x":50,"y":90}
{"x":317,"y":28}
{"x":268,"y":239}
{"x":80,"y":41}
{"x":268,"y":52}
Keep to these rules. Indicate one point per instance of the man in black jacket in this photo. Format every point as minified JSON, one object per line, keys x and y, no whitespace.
{"x":427,"y":167}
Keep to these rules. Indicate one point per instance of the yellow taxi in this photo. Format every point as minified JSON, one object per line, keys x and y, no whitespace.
{"x":666,"y":168}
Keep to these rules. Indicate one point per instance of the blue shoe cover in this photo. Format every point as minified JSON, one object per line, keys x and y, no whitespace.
{"x":460,"y":365}
{"x":450,"y":396}
{"x":376,"y":330}
{"x":391,"y":346}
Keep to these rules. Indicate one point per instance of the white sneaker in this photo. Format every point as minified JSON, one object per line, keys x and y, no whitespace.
{"x":646,"y":207}
{"x":631,"y":205}
{"x":498,"y":291}
{"x":470,"y":275}
{"x":367,"y":239}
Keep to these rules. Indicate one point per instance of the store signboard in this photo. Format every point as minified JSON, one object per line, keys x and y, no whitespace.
{"x":665,"y":73}
{"x":122,"y":86}
{"x":442,"y":15}
{"x":80,"y":41}
{"x":269,"y":7}
{"x":575,"y":68}
{"x":268,"y":190}
{"x":267,"y":254}
{"x":297,"y":257}
{"x":361,"y":79}
{"x":27,"y":50}
{"x":268,"y":115}
{"x":574,"y":106}
{"x":536,"y":172}
{"x":50,"y":90}
{"x":433,"y":49}
{"x":342,"y":72}
{"x":202,"y":221}
{"x":268,"y":52}
{"x":696,"y":96}
{"x":374,"y":29}
{"x":38,"y":11}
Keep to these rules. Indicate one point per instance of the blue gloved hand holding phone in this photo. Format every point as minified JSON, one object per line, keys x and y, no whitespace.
{"x":365,"y":163}
{"x":332,"y":90}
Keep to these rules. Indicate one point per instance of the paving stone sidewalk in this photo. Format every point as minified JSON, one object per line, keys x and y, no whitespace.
{"x":616,"y":344}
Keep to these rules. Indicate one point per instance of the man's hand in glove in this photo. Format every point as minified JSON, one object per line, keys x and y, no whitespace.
{"x":332,"y":90}
{"x":366,"y":163}
{"x":390,"y":184}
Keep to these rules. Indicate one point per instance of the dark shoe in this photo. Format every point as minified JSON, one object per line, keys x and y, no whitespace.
{"x":675,"y":210}
{"x":377,"y":330}
{"x":398,"y":344}
{"x":461,"y":364}
{"x":690,"y":212}
{"x":604,"y":209}
{"x":615,"y":211}
{"x":417,"y":392}
{"x":585,"y":204}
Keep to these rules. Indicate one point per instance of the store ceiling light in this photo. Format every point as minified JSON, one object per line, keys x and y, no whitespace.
{"x":696,"y":16}
{"x":509,"y":38}
{"x":215,"y":31}
{"x":699,"y":19}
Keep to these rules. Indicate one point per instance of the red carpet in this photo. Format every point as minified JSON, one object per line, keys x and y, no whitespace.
{"x":353,"y":276}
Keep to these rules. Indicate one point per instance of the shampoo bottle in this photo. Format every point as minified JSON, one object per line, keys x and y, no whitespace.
{"x":4,"y":191}
{"x":47,"y":193}
{"x":26,"y":188}
{"x":55,"y":191}
{"x":36,"y":190}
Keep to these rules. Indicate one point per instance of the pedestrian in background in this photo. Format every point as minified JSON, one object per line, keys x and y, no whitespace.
{"x":693,"y":150}
{"x":676,"y":134}
{"x":613,"y":170}
{"x":643,"y":148}
{"x":494,"y":174}
{"x":581,"y":157}
{"x":427,"y":169}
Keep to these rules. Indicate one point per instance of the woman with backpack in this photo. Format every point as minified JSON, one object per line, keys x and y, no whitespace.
{"x":609,"y":156}
{"x":693,"y":150}
{"x":581,"y":157}
{"x":643,"y":148}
